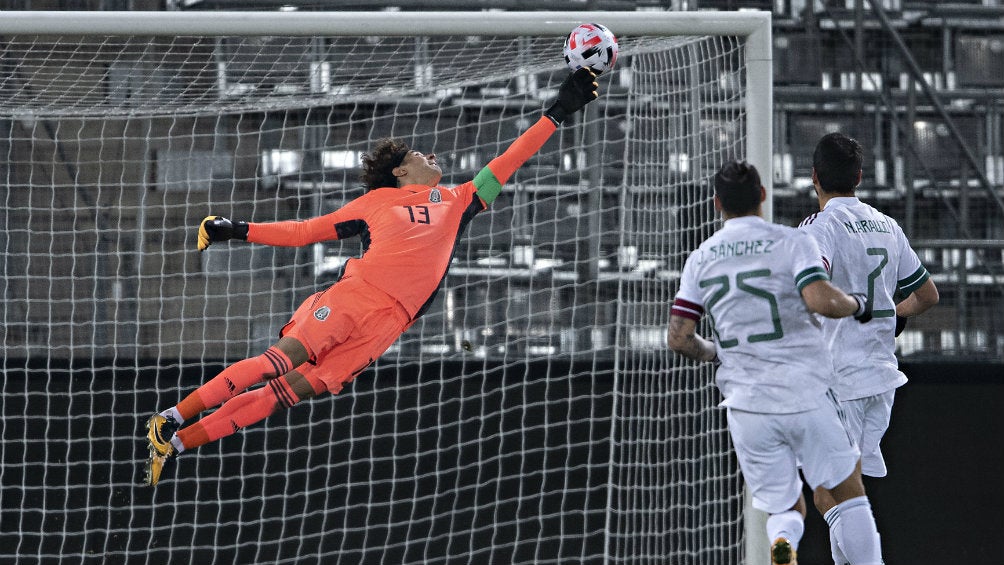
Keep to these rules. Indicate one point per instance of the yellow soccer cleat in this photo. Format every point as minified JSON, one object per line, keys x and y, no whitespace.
{"x":160,"y":429}
{"x":154,"y":465}
{"x":782,"y":553}
{"x":158,"y":435}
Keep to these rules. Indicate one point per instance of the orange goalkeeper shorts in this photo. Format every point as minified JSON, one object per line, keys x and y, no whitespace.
{"x":345,"y":328}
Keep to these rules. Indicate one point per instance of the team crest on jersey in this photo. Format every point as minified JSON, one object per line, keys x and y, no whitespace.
{"x":322,"y":313}
{"x":435,"y":196}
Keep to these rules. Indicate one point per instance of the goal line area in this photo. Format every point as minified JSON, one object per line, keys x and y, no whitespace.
{"x":533,"y":415}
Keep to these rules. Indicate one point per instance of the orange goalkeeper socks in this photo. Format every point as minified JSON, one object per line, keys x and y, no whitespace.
{"x":235,"y":379}
{"x":239,"y":412}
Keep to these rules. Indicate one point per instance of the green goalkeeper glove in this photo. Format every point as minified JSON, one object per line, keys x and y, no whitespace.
{"x":218,"y":228}
{"x":578,"y":89}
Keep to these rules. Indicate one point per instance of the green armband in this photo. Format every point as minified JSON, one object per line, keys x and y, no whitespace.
{"x":912,"y":282}
{"x":487,"y":186}
{"x":809,"y":276}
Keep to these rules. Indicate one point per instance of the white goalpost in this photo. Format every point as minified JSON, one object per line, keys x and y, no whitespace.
{"x":533,"y":415}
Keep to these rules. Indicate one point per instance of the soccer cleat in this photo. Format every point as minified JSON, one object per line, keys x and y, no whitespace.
{"x":782,"y":553}
{"x":154,"y":465}
{"x":158,"y":435}
{"x":159,"y":432}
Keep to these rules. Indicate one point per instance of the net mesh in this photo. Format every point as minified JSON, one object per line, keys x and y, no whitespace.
{"x":533,"y":415}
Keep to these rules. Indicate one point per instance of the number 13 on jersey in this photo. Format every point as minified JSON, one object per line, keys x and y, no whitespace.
{"x":419,"y":214}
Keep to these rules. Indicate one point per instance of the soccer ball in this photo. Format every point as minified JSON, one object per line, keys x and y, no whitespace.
{"x":591,"y":45}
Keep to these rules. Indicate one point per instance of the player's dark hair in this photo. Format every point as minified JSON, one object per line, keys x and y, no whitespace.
{"x":837,"y":161}
{"x":737,"y":185}
{"x":379,"y":164}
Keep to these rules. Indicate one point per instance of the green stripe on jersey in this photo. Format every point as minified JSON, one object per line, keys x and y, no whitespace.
{"x":914,"y":281}
{"x":810,"y":275}
{"x":487,"y":185}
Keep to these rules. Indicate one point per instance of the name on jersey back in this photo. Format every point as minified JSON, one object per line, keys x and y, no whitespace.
{"x":737,"y":248}
{"x":867,"y":226}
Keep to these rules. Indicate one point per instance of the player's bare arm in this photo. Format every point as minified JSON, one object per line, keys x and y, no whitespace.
{"x":684,"y":340}
{"x":827,"y":300}
{"x":919,"y":300}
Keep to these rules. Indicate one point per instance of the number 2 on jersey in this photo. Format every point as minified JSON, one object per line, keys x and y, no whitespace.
{"x":884,"y":254}
{"x":722,"y":282}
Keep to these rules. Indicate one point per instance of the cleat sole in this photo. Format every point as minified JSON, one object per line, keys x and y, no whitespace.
{"x":782,"y":553}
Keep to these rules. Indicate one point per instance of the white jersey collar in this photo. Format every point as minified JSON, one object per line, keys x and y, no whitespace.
{"x":841,"y":201}
{"x":744,"y":221}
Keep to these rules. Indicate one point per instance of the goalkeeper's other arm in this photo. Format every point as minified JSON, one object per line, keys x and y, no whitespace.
{"x":217,"y":228}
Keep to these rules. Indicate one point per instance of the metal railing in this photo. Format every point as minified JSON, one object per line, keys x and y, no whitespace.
{"x":969,"y":320}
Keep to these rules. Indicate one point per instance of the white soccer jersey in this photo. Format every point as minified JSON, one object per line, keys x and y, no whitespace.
{"x":865,"y":252}
{"x":748,"y":277}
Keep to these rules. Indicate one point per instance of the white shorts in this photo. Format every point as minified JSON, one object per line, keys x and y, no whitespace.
{"x":770,"y":447}
{"x":867,"y":420}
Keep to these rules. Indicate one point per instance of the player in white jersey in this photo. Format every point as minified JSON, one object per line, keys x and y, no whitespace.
{"x":760,"y":284}
{"x":863,"y":248}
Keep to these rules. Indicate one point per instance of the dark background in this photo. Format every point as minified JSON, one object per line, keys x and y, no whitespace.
{"x":942,"y":501}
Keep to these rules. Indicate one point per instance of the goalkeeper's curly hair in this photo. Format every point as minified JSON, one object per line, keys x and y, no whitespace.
{"x":379,"y":164}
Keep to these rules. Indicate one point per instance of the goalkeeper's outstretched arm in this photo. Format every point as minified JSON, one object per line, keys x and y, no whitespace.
{"x":217,"y":228}
{"x":340,"y":224}
{"x":577,"y":90}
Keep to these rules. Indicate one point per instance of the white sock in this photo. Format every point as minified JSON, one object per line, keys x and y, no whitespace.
{"x":788,"y":525}
{"x":172,"y":413}
{"x":176,"y":442}
{"x":833,"y":519}
{"x":856,"y":533}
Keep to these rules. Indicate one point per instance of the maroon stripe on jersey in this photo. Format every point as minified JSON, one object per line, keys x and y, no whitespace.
{"x":809,"y":220}
{"x":826,"y":264}
{"x":687,"y":309}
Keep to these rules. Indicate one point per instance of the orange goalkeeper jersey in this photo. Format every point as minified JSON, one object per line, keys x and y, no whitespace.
{"x":409,"y":234}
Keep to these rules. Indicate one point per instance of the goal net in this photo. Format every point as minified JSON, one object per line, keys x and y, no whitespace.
{"x":533,"y":415}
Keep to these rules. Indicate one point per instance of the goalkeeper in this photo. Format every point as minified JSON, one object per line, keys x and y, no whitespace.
{"x":408,"y":226}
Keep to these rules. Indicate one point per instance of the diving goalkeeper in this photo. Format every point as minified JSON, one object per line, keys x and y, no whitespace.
{"x":409,"y":227}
